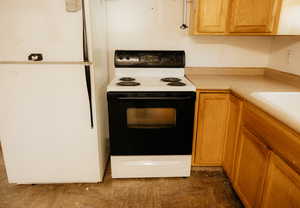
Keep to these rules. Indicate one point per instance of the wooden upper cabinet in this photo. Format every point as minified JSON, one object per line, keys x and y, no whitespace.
{"x":211,"y":129}
{"x":235,"y":17}
{"x":252,"y":162}
{"x":254,"y":16}
{"x":282,"y":187}
{"x":210,"y":16}
{"x":235,"y":108}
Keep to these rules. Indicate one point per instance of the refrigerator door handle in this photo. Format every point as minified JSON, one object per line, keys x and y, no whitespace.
{"x":89,"y":90}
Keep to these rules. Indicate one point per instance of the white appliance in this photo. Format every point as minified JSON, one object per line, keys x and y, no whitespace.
{"x":151,"y":115}
{"x":53,"y":78}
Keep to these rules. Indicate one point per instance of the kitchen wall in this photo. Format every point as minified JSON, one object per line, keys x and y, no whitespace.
{"x":154,"y":24}
{"x":285,"y":54}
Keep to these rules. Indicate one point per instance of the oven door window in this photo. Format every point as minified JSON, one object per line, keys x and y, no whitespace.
{"x":143,"y":118}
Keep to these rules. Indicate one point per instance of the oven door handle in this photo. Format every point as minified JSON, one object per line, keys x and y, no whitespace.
{"x":156,"y":98}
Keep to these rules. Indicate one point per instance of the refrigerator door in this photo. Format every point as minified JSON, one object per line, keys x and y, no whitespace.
{"x":40,"y":26}
{"x":45,"y":127}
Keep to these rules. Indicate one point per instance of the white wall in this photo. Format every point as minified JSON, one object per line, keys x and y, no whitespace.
{"x":154,"y":24}
{"x":289,"y":18}
{"x":285,"y":54}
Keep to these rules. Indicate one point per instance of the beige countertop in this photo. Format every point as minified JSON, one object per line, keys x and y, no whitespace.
{"x":277,"y":98}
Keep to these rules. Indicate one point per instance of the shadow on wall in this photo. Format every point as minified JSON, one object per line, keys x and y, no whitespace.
{"x":285,"y":54}
{"x":283,"y":42}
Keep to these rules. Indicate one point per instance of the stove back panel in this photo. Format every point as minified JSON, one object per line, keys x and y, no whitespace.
{"x":149,"y":59}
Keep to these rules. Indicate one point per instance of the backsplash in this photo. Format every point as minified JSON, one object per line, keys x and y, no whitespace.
{"x":154,"y":24}
{"x":285,"y":54}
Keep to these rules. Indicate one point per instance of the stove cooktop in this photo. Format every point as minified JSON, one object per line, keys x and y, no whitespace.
{"x":151,"y":71}
{"x":150,"y":84}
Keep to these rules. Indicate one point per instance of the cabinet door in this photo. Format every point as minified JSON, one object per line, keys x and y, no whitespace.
{"x":282,"y":188}
{"x":254,"y":16}
{"x":252,"y":162}
{"x":211,"y":129}
{"x":235,"y":106}
{"x":210,"y":16}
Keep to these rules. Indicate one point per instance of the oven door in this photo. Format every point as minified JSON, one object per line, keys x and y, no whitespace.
{"x":151,"y":123}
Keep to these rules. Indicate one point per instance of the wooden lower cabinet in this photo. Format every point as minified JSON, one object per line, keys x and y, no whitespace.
{"x":235,"y":108}
{"x":211,"y":129}
{"x":251,"y":168}
{"x":259,"y":153}
{"x":282,"y":187}
{"x":283,"y":140}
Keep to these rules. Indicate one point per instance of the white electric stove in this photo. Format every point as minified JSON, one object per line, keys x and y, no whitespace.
{"x":151,"y":115}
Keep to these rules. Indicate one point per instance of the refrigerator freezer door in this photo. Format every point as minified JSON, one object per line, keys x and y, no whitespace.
{"x":45,"y":125}
{"x":40,"y":26}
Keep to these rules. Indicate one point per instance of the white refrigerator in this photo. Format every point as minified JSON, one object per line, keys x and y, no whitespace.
{"x":53,"y":77}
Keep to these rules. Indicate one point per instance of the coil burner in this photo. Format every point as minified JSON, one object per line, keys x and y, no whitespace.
{"x":128,"y":83}
{"x":170,"y":79}
{"x":127,"y":79}
{"x":176,"y":84}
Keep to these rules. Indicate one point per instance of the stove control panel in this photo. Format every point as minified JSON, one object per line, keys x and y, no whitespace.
{"x":150,"y":59}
